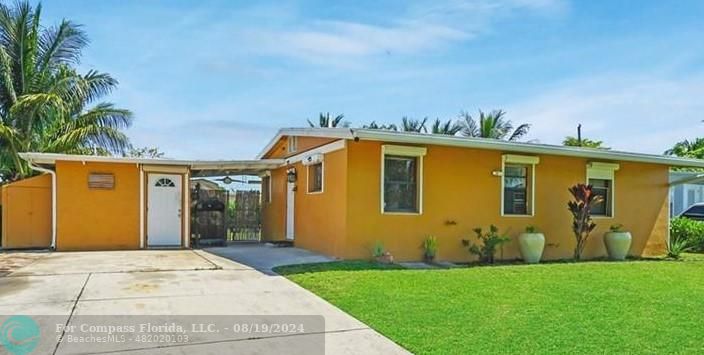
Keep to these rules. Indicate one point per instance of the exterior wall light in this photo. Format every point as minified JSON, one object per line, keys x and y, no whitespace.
{"x":291,"y":175}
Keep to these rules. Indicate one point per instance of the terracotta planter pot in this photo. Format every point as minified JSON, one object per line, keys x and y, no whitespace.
{"x":532,"y":245}
{"x":617,"y":244}
{"x":387,"y":258}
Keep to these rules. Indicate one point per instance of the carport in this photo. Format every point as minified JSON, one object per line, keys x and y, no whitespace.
{"x":113,"y":203}
{"x":221,"y":213}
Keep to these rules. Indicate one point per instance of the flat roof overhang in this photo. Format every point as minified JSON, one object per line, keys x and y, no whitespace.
{"x":199,"y":168}
{"x":236,"y":167}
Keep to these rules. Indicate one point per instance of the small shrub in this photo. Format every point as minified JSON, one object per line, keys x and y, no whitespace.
{"x":688,"y":231}
{"x":490,"y":241}
{"x":616,"y":228}
{"x":430,"y":247}
{"x":532,"y":229}
{"x":677,"y":246}
{"x":378,"y":249}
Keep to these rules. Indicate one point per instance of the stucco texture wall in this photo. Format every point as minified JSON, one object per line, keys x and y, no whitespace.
{"x":320,"y":218}
{"x":458,"y":186}
{"x":274,"y":212}
{"x":26,"y":213}
{"x":97,"y":219}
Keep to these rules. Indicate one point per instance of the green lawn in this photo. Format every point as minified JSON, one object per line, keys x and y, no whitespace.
{"x":590,"y":307}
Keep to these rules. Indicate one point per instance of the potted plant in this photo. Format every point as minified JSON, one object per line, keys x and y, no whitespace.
{"x":531,"y":243}
{"x":430,"y":249}
{"x":617,"y":242}
{"x":381,"y":255}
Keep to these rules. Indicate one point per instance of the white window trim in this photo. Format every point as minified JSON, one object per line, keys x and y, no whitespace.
{"x":322,"y":178}
{"x":523,"y":160}
{"x":604,"y":171}
{"x":404,"y":151}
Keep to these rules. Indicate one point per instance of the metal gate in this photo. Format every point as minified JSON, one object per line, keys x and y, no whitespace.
{"x":244,"y":221}
{"x":208,"y":217}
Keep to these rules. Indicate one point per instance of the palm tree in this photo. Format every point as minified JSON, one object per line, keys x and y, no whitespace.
{"x":583,"y":142}
{"x":688,"y":149}
{"x":413,"y":125}
{"x":45,"y":105}
{"x":326,"y":120}
{"x":449,"y":127}
{"x":491,"y":125}
{"x":374,"y":125}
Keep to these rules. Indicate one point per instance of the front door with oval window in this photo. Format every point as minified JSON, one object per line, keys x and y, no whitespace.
{"x":164,"y":204}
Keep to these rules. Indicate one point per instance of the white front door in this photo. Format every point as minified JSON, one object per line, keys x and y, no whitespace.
{"x":164,"y":203}
{"x":290,"y":195}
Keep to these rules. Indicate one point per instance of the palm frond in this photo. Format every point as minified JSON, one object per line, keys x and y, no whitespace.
{"x":519,"y":132}
{"x":61,"y":44}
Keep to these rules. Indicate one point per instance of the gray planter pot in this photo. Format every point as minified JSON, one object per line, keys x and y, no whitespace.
{"x":532,"y":245}
{"x":617,"y":244}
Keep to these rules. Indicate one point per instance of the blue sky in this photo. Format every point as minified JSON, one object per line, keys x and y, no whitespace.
{"x":216,"y":79}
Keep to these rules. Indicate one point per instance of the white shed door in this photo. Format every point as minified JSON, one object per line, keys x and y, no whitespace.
{"x":164,"y":210}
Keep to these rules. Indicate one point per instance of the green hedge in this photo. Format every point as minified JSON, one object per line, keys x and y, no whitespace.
{"x":692,"y":231}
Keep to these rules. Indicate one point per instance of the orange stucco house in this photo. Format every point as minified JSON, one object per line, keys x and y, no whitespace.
{"x":337,"y":191}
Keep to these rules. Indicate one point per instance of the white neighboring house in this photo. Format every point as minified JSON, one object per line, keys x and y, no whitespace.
{"x":686,"y":189}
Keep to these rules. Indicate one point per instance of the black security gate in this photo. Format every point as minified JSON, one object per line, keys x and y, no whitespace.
{"x":221,"y":216}
{"x":208,"y":217}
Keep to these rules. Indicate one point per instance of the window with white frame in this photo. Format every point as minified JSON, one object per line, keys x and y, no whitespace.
{"x":315,"y":177}
{"x":292,"y":144}
{"x":601,"y":176}
{"x":402,"y":179}
{"x":518,"y":185}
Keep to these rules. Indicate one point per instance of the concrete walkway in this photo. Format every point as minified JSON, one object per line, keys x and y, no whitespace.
{"x":265,"y":257}
{"x":75,"y":285}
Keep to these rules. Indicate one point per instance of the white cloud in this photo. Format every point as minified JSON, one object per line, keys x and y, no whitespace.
{"x":422,"y":27}
{"x":632,"y":113}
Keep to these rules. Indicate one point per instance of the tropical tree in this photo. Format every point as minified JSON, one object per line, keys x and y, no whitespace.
{"x":326,"y":120}
{"x":45,"y":104}
{"x":448,"y":127}
{"x":413,"y":125}
{"x":583,"y":142}
{"x":374,"y":125}
{"x":688,"y":149}
{"x":491,"y":125}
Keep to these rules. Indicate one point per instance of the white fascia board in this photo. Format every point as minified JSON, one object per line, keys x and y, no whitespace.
{"x":340,"y":133}
{"x":52,"y":158}
{"x":518,"y":147}
{"x":324,"y":149}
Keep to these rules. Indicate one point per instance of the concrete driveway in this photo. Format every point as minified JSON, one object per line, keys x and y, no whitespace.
{"x":264,"y":257}
{"x":75,"y":285}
